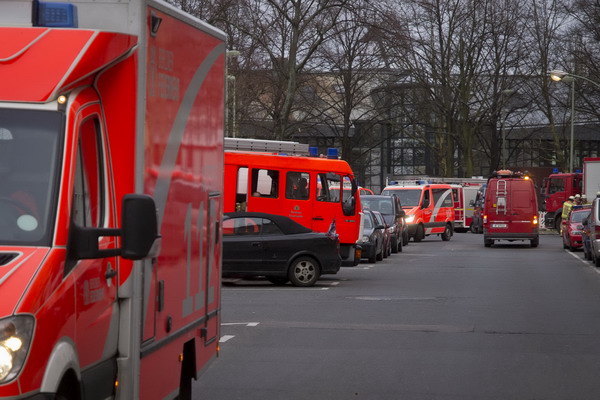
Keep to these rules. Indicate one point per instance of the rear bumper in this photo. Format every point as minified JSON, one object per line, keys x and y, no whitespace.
{"x":509,"y":235}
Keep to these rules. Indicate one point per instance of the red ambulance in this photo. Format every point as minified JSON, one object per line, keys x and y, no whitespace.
{"x":429,"y":209}
{"x":110,"y":137}
{"x":510,"y":209}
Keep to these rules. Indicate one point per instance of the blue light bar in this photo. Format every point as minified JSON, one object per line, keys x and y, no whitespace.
{"x":313,"y":151}
{"x":332,"y":153}
{"x":54,"y":15}
{"x":555,"y":170}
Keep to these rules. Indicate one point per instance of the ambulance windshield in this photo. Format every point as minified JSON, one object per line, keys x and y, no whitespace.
{"x":408,"y":197}
{"x":29,"y":159}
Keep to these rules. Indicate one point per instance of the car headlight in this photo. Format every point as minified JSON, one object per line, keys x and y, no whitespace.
{"x":364,"y":239}
{"x":410,"y":219}
{"x":15,"y":340}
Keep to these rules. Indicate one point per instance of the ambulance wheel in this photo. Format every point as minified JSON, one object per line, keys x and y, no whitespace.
{"x":488,"y":242}
{"x":69,"y":388}
{"x":420,"y":234}
{"x":535,"y":242}
{"x":447,"y":234}
{"x":304,"y":271}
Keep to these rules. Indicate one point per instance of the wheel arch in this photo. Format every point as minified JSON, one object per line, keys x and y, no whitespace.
{"x":62,"y":360}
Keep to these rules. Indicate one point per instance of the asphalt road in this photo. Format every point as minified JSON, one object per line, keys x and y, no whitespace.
{"x":442,"y":320}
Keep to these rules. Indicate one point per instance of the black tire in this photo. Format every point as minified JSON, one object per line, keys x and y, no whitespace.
{"x":419,"y":234}
{"x":596,"y":261}
{"x":447,"y":234}
{"x":535,"y":242}
{"x":379,"y":256}
{"x":372,"y":258}
{"x":396,"y":245}
{"x":472,"y":228}
{"x":400,"y":245}
{"x":304,"y":271}
{"x":278,"y":280}
{"x":405,"y":238}
{"x":488,"y":242}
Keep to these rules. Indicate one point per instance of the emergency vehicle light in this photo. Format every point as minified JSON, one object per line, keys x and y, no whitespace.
{"x":54,"y":15}
{"x":313,"y":151}
{"x":332,"y":153}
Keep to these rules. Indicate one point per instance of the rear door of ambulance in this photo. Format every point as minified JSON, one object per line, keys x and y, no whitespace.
{"x":521,"y":206}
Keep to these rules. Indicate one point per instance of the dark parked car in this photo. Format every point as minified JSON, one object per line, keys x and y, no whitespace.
{"x":585,"y":238}
{"x":278,"y":248}
{"x":372,"y":240}
{"x":391,"y":209}
{"x":387,"y":234}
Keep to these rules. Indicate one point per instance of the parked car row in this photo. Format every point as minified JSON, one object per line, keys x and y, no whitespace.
{"x":582,"y":230}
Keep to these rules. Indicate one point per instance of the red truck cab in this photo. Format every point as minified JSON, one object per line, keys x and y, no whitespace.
{"x":556,"y":189}
{"x":511,"y":209}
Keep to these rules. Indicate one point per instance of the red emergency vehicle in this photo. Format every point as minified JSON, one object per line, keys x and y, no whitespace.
{"x":110,"y":135}
{"x":556,"y":189}
{"x":511,"y":209}
{"x":429,"y":209}
{"x":278,"y":178}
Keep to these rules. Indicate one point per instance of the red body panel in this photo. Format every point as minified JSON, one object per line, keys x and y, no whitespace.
{"x":85,"y":302}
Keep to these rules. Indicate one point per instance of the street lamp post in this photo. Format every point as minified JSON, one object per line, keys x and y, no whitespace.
{"x":230,"y":128}
{"x":558,"y":75}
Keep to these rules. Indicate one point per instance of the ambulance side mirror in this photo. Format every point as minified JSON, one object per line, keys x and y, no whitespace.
{"x":139,"y":228}
{"x":139,"y":233}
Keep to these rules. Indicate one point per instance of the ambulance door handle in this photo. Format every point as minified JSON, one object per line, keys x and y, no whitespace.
{"x":110,"y":273}
{"x":319,"y":219}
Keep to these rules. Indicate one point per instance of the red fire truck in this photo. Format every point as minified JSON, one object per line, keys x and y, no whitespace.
{"x":557,"y":188}
{"x":110,"y":143}
{"x":279,"y":177}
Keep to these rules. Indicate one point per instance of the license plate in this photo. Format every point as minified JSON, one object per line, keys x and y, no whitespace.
{"x":498,"y":225}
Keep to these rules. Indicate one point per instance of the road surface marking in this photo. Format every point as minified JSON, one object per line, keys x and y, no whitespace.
{"x":240,"y":323}
{"x":225,"y":338}
{"x":584,"y":261}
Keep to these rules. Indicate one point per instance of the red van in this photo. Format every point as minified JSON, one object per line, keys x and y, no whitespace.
{"x":511,"y":209}
{"x":429,"y":209}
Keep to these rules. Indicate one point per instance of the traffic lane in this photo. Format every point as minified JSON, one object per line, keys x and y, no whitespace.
{"x":421,"y":328}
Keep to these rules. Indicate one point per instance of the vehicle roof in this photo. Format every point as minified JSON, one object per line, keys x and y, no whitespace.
{"x":431,"y":185}
{"x":287,"y":225}
{"x":279,"y":161}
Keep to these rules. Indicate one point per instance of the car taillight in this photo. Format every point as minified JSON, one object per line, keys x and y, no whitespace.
{"x":535,"y":220}
{"x":485,"y":219}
